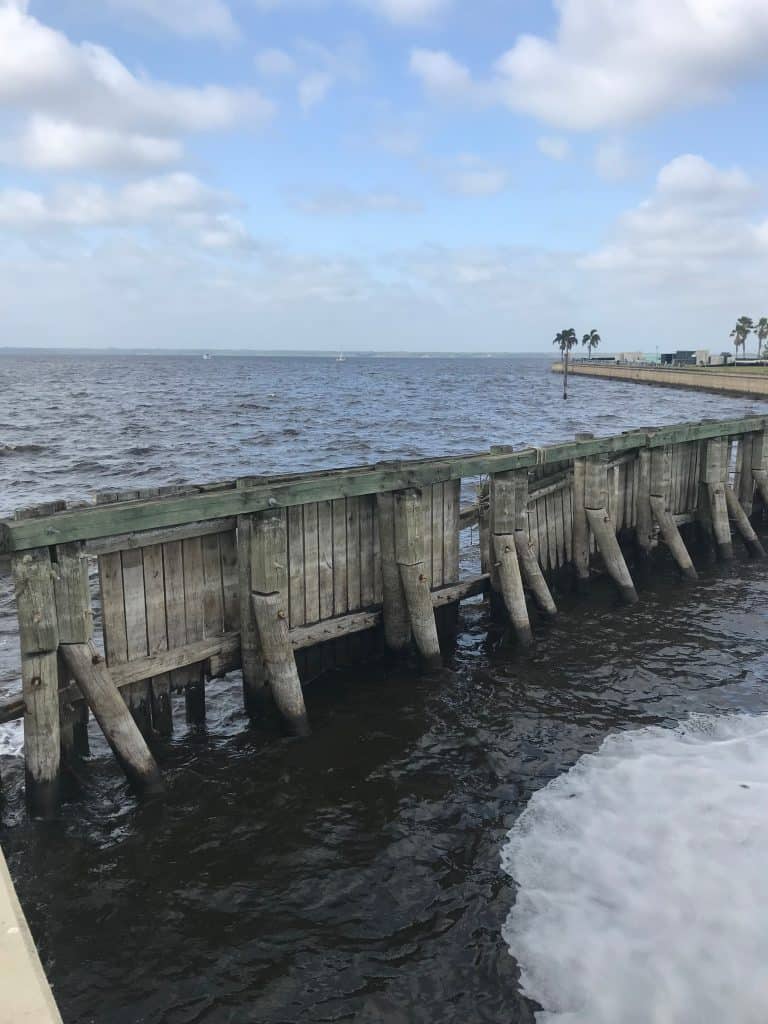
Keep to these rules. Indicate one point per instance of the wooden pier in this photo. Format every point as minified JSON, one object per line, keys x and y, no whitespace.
{"x":288,"y":577}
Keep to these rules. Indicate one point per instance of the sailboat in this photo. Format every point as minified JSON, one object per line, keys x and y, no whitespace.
{"x":341,"y":358}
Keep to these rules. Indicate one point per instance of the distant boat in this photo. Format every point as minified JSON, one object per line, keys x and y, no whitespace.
{"x":206,"y":355}
{"x":341,"y":358}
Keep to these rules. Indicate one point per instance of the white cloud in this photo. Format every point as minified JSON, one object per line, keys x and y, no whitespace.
{"x":407,"y":12}
{"x":42,"y":71}
{"x":701,"y":223}
{"x":50,"y":144}
{"x":275,"y":63}
{"x":347,"y":202}
{"x":206,"y":18}
{"x":613,"y":62}
{"x":471,"y":175}
{"x":554,"y":146}
{"x":613,"y":161}
{"x":313,"y":89}
{"x":177,"y":202}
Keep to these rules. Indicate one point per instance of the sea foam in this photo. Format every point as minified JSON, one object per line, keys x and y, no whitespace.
{"x":643,"y":889}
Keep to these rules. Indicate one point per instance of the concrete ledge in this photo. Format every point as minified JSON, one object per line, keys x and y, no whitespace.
{"x":25,"y":996}
{"x":718,"y":381}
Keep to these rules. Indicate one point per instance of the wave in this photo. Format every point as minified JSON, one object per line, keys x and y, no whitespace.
{"x":642,"y":885}
{"x":21,"y":449}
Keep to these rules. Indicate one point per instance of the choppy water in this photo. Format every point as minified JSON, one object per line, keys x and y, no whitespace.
{"x":356,"y":876}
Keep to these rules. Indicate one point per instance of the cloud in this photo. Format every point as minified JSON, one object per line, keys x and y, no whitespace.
{"x":471,"y":175}
{"x":407,"y":12}
{"x":612,"y":160}
{"x":275,"y":63}
{"x":346,"y":202}
{"x":313,"y":89}
{"x":43,"y":72}
{"x":701,"y":223}
{"x":554,"y":146}
{"x":205,"y":18}
{"x":614,"y":62}
{"x":178,"y":202}
{"x":50,"y":144}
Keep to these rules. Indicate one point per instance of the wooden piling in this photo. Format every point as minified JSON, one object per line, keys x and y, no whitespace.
{"x":410,"y":555}
{"x":580,"y":522}
{"x":661,"y":482}
{"x":397,"y":622}
{"x":532,"y":574}
{"x":506,"y":515}
{"x":111,"y":712}
{"x":743,"y":525}
{"x":596,"y":508}
{"x":75,"y":623}
{"x":644,"y":526}
{"x":39,"y":639}
{"x":715,"y":476}
{"x":271,"y":614}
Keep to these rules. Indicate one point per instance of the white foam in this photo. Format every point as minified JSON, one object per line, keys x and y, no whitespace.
{"x":643,"y":883}
{"x":11,"y":739}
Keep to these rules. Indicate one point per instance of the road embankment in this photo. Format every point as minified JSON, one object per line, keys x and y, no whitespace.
{"x":732,"y":382}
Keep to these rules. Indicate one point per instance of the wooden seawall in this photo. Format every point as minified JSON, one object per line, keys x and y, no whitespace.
{"x":718,"y":381}
{"x":287,"y":577}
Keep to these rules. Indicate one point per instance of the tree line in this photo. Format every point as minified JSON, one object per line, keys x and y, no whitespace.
{"x":745,"y":325}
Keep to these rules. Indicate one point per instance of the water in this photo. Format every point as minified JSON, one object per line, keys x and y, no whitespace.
{"x":356,"y":876}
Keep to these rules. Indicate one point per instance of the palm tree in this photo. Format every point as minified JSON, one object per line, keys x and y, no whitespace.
{"x":565,"y":341}
{"x":591,"y":340}
{"x":741,"y":332}
{"x":761,"y":330}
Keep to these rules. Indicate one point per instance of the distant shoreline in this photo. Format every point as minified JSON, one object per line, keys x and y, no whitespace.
{"x":349,"y":354}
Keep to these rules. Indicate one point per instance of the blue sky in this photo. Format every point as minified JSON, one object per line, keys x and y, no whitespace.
{"x":420,"y":174}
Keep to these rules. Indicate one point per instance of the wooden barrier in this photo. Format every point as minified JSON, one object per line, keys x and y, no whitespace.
{"x":288,"y":577}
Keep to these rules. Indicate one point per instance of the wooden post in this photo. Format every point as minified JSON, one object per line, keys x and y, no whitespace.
{"x":253,"y":682}
{"x":644,"y":528}
{"x":596,"y":507}
{"x":580,"y":523}
{"x":280,"y":665}
{"x":75,"y":620}
{"x":409,"y":552}
{"x":743,"y":525}
{"x":267,"y":571}
{"x":760,"y":466}
{"x":39,"y":639}
{"x":397,"y":622}
{"x":714,"y":478}
{"x":659,"y":497}
{"x":509,"y":498}
{"x":532,"y":573}
{"x":746,"y":480}
{"x":111,"y":712}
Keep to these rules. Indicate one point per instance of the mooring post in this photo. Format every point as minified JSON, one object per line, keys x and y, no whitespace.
{"x":410,"y":555}
{"x":746,"y":480}
{"x":529,"y":564}
{"x":75,"y":621}
{"x":580,"y":521}
{"x":271,"y":616}
{"x":596,"y":507}
{"x":39,"y":640}
{"x":397,"y":622}
{"x":715,"y":477}
{"x":113,"y":715}
{"x":661,"y":476}
{"x":504,"y":520}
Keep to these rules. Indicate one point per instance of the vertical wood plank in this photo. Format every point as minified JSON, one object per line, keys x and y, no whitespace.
{"x":451,"y":499}
{"x":366,"y":551}
{"x":194,"y":591}
{"x":353,"y":553}
{"x":138,"y":695}
{"x":157,"y":636}
{"x":230,"y":580}
{"x":213,"y":589}
{"x":311,"y":564}
{"x":340,"y":596}
{"x":296,"y":598}
{"x":113,"y":608}
{"x":325,"y":557}
{"x":436,"y":577}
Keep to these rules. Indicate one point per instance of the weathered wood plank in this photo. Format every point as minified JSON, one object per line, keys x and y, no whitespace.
{"x":296,"y":595}
{"x":113,"y":608}
{"x":353,"y":553}
{"x":157,"y":636}
{"x":451,"y":528}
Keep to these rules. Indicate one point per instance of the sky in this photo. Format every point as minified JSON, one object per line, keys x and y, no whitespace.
{"x":426,"y":175}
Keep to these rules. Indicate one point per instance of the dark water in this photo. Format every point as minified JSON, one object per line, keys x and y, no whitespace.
{"x":354,"y":876}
